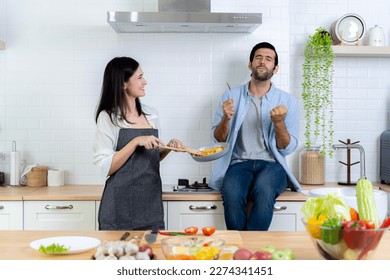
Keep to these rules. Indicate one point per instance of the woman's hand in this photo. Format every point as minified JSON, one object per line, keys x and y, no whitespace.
{"x":150,"y":142}
{"x":175,"y":143}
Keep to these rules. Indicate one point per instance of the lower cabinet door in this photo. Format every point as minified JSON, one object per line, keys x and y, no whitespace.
{"x":59,"y":215}
{"x":287,"y":217}
{"x":182,"y":214}
{"x":11,"y":215}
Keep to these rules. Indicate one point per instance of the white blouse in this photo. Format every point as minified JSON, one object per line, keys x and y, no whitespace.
{"x":106,"y":137}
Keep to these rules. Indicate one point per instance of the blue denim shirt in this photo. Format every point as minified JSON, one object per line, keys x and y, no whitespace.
{"x":242,"y":99}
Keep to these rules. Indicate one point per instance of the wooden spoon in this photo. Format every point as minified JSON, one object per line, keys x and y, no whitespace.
{"x":191,"y":151}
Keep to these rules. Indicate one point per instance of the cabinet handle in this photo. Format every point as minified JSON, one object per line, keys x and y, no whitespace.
{"x":212,"y":207}
{"x":1,"y":207}
{"x":280,"y":208}
{"x":58,"y":207}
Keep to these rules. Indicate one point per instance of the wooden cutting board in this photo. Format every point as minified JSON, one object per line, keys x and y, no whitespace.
{"x":231,"y":237}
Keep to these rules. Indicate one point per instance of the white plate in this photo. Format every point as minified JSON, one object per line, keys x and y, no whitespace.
{"x":76,"y":244}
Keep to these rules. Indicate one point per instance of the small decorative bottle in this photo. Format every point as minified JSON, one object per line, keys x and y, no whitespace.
{"x":311,"y":166}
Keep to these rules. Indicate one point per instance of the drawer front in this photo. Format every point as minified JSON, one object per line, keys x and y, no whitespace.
{"x":59,"y":215}
{"x":11,"y":215}
{"x":97,"y":203}
{"x":195,"y":213}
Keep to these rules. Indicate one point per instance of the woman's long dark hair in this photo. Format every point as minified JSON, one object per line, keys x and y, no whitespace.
{"x":113,"y":96}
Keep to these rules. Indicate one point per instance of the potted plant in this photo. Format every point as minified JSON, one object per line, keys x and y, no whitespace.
{"x":317,"y":99}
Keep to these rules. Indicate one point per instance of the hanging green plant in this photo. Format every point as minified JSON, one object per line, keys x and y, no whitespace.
{"x":317,"y":92}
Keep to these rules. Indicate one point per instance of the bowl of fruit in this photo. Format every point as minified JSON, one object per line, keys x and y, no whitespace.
{"x":340,"y":232}
{"x":191,"y":248}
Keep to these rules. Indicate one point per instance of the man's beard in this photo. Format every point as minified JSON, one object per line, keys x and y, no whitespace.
{"x":264,"y":76}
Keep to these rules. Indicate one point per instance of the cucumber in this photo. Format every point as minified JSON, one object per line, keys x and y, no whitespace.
{"x":366,"y":201}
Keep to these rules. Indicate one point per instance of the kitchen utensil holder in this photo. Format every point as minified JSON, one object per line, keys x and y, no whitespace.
{"x":348,"y":164}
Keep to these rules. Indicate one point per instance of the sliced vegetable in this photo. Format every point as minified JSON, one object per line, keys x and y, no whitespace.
{"x":366,"y":201}
{"x":53,"y":249}
{"x":314,"y":225}
{"x":332,"y":205}
{"x":171,"y":233}
{"x":208,"y":230}
{"x":191,"y":230}
{"x":330,"y":232}
{"x":353,"y":236}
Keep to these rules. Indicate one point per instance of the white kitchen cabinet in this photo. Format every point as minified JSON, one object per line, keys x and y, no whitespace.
{"x":182,"y":214}
{"x":165,"y":205}
{"x":97,"y":203}
{"x":11,"y":215}
{"x":59,"y":215}
{"x":287,"y":217}
{"x":388,"y":204}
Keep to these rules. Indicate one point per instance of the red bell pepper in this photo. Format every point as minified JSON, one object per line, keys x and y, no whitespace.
{"x":386,"y":223}
{"x":354,"y":234}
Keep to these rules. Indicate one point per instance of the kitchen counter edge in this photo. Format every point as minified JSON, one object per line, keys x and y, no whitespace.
{"x":94,"y":192}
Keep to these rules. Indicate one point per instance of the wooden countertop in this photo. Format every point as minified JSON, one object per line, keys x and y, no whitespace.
{"x":67,"y":192}
{"x":15,"y":193}
{"x":94,"y":192}
{"x":15,"y":244}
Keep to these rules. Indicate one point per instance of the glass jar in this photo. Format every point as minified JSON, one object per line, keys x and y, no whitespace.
{"x":311,"y":166}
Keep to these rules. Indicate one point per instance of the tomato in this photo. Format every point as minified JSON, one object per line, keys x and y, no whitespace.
{"x":369,"y":224}
{"x":191,"y":230}
{"x":208,"y":230}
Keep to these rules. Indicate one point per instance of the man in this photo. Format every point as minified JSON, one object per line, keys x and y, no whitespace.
{"x":261,"y":123}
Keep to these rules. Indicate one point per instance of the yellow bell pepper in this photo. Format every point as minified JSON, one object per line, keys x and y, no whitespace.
{"x":314,"y":225}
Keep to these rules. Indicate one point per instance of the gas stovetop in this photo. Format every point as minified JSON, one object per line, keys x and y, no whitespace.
{"x":183,"y":185}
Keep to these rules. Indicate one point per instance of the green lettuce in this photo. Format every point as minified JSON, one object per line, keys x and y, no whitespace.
{"x":332,"y":205}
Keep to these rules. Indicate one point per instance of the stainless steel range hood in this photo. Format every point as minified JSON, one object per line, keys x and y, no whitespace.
{"x":183,"y":16}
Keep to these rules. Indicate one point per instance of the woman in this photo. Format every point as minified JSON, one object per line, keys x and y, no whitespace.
{"x":128,"y":151}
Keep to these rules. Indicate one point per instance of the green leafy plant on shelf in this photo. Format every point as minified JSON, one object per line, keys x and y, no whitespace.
{"x":317,"y":92}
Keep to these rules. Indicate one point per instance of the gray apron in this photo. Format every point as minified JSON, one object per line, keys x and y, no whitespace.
{"x":132,"y":197}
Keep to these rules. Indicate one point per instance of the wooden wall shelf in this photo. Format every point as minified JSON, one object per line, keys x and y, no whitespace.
{"x":362,"y":51}
{"x":2,"y":45}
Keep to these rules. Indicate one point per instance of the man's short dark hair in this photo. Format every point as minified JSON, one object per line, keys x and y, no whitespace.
{"x":264,"y":45}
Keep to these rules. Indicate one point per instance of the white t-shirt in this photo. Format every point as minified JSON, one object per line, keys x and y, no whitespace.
{"x":106,"y":137}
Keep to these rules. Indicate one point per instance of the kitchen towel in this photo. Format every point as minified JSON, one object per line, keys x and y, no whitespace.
{"x":26,"y":170}
{"x":55,"y":177}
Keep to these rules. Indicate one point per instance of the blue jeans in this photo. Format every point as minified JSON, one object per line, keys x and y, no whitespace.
{"x":262,"y":182}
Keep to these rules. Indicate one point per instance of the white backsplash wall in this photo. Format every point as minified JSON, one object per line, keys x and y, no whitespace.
{"x":362,"y":85}
{"x":53,"y":68}
{"x":51,"y":74}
